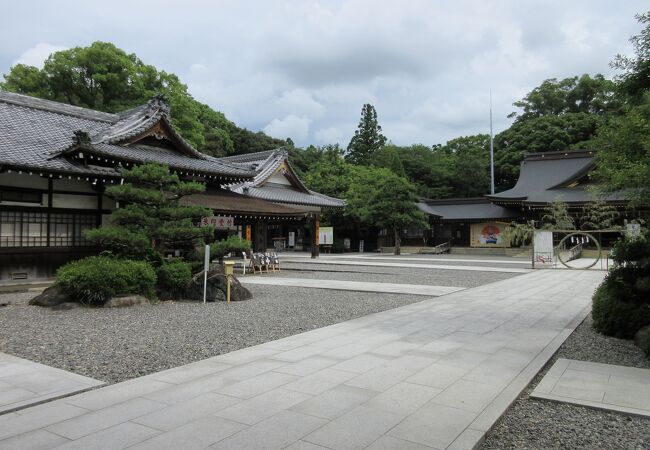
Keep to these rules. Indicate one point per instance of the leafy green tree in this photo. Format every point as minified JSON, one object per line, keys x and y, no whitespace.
{"x":598,"y":215}
{"x":470,"y":169}
{"x":593,"y":95}
{"x":367,"y":138}
{"x":388,"y":157}
{"x":556,"y":216}
{"x":430,"y":169}
{"x":623,"y":157}
{"x":634,"y":80}
{"x":151,"y":219}
{"x":381,"y":198}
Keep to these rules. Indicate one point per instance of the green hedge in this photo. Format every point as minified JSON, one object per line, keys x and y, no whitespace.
{"x":621,"y":304}
{"x":173,"y":279}
{"x":613,"y":316}
{"x":96,"y":279}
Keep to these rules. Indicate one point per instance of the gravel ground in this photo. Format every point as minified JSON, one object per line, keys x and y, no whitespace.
{"x":540,"y":424}
{"x":461,"y":278}
{"x":118,"y":344}
{"x":324,"y":262}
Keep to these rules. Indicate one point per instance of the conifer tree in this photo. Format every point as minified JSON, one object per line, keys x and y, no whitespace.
{"x":151,"y":220}
{"x":367,"y":138}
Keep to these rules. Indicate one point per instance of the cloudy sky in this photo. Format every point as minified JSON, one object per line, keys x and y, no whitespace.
{"x":303,"y":69}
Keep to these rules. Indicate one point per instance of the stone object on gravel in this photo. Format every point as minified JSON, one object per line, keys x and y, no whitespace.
{"x":127,"y":300}
{"x":217,"y":287}
{"x":51,"y":296}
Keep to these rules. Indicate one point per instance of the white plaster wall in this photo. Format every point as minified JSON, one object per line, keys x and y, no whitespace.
{"x":278,"y":178}
{"x":74,"y":201}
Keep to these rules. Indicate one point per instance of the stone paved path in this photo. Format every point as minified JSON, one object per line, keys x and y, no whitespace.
{"x":24,"y":383}
{"x":433,"y":374}
{"x":603,"y":386}
{"x":359,"y":286}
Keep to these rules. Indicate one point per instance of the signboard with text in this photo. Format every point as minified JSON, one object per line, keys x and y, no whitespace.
{"x":219,"y":222}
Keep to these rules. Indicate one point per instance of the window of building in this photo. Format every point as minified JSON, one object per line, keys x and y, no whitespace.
{"x":7,"y":195}
{"x":29,"y":229}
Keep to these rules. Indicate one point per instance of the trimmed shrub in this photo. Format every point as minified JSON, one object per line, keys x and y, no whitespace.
{"x":95,"y":279}
{"x":173,"y":279}
{"x":614,"y":317}
{"x":232,"y":244}
{"x":621,"y":304}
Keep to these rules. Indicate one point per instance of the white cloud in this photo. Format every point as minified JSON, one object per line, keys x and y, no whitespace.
{"x":294,"y":127}
{"x":37,"y":55}
{"x":305,"y":68}
{"x":331,"y":135}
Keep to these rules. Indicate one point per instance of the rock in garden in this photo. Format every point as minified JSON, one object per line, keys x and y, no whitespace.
{"x":217,"y":287}
{"x":51,"y":296}
{"x":128,"y":300}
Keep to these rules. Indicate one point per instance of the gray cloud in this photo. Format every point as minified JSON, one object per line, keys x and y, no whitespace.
{"x":305,"y":68}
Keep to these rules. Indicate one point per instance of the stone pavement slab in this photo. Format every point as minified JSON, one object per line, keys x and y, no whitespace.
{"x":24,"y":383}
{"x":602,"y":386}
{"x":359,"y":286}
{"x":433,"y":374}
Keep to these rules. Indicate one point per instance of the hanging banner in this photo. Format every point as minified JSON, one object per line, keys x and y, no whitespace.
{"x":248,"y":235}
{"x":543,"y":247}
{"x":326,"y":235}
{"x":219,"y":222}
{"x":487,"y":234}
{"x":292,"y":239}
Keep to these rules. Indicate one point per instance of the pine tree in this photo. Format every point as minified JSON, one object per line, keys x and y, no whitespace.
{"x":367,"y":138}
{"x":151,"y":220}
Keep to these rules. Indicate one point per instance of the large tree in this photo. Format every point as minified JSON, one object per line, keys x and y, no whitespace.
{"x":106,"y":78}
{"x":624,"y":141}
{"x":379,"y":197}
{"x":634,"y":79}
{"x":593,"y":95}
{"x":367,"y":138}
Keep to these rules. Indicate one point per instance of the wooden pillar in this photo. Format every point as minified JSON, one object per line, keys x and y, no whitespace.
{"x":260,"y":236}
{"x":314,"y":225}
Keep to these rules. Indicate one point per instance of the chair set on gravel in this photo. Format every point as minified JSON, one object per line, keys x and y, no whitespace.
{"x":268,"y":261}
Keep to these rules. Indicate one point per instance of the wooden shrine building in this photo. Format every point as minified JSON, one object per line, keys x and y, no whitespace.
{"x":57,"y":159}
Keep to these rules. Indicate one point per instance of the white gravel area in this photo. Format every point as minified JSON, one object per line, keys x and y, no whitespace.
{"x":117,"y":344}
{"x":541,"y":424}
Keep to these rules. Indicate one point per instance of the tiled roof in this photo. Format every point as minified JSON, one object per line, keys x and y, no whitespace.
{"x":285,"y":194}
{"x":465,"y":209}
{"x":267,"y":163}
{"x":35,"y":135}
{"x":545,"y":177}
{"x":232,"y":203}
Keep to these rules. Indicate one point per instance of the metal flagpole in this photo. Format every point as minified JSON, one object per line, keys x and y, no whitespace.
{"x":491,"y":150}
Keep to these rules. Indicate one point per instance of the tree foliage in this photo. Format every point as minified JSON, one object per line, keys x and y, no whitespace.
{"x":584,"y":94}
{"x":151,"y":221}
{"x":367,"y":138}
{"x":386,"y":200}
{"x":634,"y":81}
